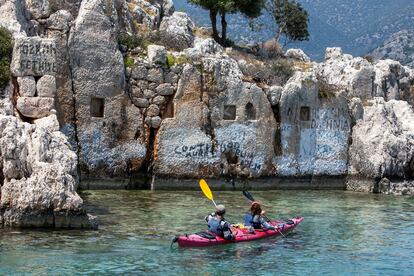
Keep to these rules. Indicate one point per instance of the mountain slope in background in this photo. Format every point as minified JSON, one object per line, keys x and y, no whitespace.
{"x":357,"y":26}
{"x":399,"y":46}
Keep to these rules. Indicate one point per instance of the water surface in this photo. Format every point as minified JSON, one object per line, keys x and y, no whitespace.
{"x":343,"y":233}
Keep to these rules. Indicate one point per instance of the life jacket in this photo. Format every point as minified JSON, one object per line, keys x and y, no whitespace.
{"x":248,"y":221}
{"x":214,"y":225}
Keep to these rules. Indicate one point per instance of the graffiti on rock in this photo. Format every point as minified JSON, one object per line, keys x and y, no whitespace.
{"x":206,"y":151}
{"x":330,"y":119}
{"x":34,"y":56}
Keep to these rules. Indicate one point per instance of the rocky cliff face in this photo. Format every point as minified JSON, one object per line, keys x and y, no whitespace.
{"x":39,"y":167}
{"x":169,"y":104}
{"x":399,"y":46}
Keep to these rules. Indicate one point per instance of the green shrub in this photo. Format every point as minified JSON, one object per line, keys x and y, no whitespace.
{"x":182,"y":59}
{"x":128,"y":62}
{"x":170,"y":60}
{"x":283,"y":70}
{"x":130,"y":41}
{"x":6,"y":49}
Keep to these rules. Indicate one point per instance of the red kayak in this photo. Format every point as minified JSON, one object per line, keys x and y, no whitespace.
{"x":241,"y":233}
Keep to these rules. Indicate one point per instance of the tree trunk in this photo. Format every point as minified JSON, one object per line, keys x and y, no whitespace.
{"x":223,"y":28}
{"x":213,"y":18}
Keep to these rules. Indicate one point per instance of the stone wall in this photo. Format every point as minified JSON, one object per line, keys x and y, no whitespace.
{"x":185,"y":109}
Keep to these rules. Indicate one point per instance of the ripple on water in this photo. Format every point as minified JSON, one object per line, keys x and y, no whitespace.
{"x":343,"y":233}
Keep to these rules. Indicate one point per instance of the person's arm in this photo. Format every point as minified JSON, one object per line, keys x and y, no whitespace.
{"x":208,"y":217}
{"x":266,"y":225}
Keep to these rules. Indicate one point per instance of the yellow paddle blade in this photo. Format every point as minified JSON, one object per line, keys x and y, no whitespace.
{"x":206,"y":189}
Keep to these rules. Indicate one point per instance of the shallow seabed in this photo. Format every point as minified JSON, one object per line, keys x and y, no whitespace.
{"x":343,"y":233}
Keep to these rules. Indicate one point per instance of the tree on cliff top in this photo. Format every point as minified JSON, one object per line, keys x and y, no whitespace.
{"x":250,"y":8}
{"x":291,"y":19}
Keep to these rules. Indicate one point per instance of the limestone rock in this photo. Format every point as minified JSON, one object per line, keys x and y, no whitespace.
{"x":33,"y":56}
{"x":153,"y":110}
{"x":177,"y":31}
{"x":141,"y":102}
{"x":182,"y":149}
{"x":274,"y":93}
{"x":234,"y":116}
{"x":35,"y":107}
{"x":156,"y":55}
{"x":156,"y":75}
{"x":225,"y":72}
{"x":333,"y":53}
{"x":356,"y":110}
{"x":46,"y":86}
{"x":297,"y":54}
{"x":405,"y":187}
{"x":171,"y":77}
{"x":139,"y":72}
{"x":382,"y":142}
{"x":343,"y":72}
{"x":49,"y":123}
{"x":165,"y":89}
{"x":38,"y":8}
{"x":108,"y":124}
{"x":155,"y":122}
{"x":27,"y":86}
{"x":146,"y":13}
{"x":39,"y":169}
{"x":245,"y":142}
{"x":158,"y":100}
{"x":149,"y":94}
{"x":314,"y":130}
{"x":168,"y":7}
{"x":60,"y":21}
{"x":390,"y":79}
{"x":13,"y":17}
{"x":203,"y":47}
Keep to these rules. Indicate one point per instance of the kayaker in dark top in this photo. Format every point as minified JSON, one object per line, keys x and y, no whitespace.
{"x":255,"y":218}
{"x":218,"y":225}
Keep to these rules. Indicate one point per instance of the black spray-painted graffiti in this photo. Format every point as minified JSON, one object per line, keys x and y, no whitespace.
{"x":204,"y":151}
{"x":331,"y":124}
{"x":37,"y":56}
{"x":333,"y":118}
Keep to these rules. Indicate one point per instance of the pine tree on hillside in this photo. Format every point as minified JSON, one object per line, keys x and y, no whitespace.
{"x":291,"y":18}
{"x":249,"y":8}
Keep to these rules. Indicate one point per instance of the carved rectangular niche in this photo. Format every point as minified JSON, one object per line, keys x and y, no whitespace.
{"x":229,"y":112}
{"x":304,"y":113}
{"x":97,"y":107}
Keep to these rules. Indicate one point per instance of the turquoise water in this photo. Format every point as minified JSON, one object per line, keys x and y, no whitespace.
{"x":343,"y":233}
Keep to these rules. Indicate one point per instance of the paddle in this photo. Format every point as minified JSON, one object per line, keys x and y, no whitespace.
{"x":206,"y":190}
{"x":251,"y":198}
